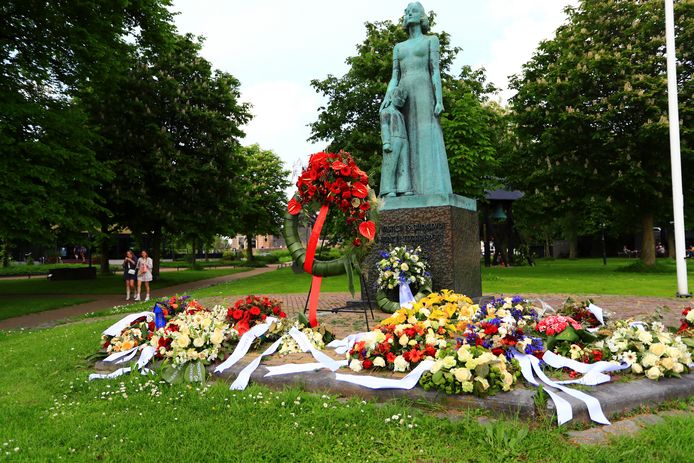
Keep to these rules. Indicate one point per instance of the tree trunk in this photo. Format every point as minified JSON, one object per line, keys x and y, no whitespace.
{"x":647,"y":240}
{"x":5,"y":253}
{"x":193,"y":259}
{"x":671,"y":244}
{"x":547,"y":250}
{"x":156,"y":251}
{"x":104,"y":267}
{"x":573,"y":247}
{"x":249,"y":248}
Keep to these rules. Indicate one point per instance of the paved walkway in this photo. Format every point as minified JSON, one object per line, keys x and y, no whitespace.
{"x":346,"y":323}
{"x":101,"y":302}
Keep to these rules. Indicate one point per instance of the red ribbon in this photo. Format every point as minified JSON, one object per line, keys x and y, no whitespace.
{"x":308,"y":265}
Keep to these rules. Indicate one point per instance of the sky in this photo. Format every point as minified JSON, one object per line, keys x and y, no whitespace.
{"x":275,"y":48}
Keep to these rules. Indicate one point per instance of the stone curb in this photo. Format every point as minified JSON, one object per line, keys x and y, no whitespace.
{"x":615,"y":398}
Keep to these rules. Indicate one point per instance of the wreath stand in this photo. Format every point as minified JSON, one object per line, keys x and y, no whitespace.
{"x":350,"y":309}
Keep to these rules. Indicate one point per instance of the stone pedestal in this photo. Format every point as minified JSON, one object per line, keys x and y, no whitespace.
{"x":446,"y":228}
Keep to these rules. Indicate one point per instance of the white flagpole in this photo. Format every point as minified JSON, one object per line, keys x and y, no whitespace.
{"x":675,"y":157}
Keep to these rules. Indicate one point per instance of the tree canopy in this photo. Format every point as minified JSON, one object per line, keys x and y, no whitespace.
{"x":49,"y":50}
{"x":264,"y":199}
{"x":591,"y":117}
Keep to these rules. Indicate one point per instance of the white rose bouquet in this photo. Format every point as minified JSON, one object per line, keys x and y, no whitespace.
{"x":402,"y":265}
{"x":648,"y":349}
{"x":196,"y":336}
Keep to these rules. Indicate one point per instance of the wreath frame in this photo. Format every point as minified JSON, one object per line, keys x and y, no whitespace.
{"x":321,"y":268}
{"x":385,"y":304}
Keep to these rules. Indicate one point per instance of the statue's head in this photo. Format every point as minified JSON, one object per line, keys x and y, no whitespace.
{"x":399,"y":97}
{"x":414,"y":13}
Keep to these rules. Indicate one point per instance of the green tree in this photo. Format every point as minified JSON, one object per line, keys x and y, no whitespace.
{"x":170,"y":128}
{"x":591,"y":115}
{"x":264,"y":199}
{"x":349,"y":121}
{"x":48,"y":51}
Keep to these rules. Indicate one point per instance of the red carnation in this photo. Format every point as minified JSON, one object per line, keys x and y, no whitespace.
{"x":497,"y":351}
{"x":367,"y":364}
{"x":282,"y":315}
{"x":390,"y":357}
{"x":415,"y":356}
{"x":237,"y":314}
{"x":255,"y":311}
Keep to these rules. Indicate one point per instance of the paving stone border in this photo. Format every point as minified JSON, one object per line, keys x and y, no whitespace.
{"x":616,"y":398}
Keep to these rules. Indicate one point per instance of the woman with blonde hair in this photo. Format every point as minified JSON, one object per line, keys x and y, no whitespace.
{"x":144,"y":267}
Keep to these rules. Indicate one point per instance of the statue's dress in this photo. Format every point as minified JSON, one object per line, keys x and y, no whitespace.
{"x":430,"y":173}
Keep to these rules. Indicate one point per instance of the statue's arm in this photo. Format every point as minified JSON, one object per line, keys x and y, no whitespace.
{"x":395,"y":78}
{"x":434,"y":58}
{"x":385,"y":131}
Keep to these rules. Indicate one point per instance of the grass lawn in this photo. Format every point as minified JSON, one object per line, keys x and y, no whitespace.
{"x":281,"y":281}
{"x":111,"y":284}
{"x":583,"y":276}
{"x":49,"y":411}
{"x":16,"y":306}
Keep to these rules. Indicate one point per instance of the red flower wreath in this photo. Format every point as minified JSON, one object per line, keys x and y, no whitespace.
{"x":334,"y":179}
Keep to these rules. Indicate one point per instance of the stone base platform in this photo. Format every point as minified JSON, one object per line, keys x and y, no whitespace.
{"x":615,"y":398}
{"x":446,"y":229}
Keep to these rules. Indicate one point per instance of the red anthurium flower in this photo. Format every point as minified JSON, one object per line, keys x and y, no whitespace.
{"x":294,"y":206}
{"x":360,"y":190}
{"x":338,"y":165}
{"x":368,"y":230}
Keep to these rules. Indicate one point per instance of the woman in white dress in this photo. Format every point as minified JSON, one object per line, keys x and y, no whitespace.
{"x":144,"y":267}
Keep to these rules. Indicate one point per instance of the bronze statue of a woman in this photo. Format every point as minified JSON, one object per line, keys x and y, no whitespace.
{"x":416,"y":71}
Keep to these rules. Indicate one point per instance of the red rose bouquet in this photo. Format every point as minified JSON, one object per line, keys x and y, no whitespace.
{"x":251,"y":310}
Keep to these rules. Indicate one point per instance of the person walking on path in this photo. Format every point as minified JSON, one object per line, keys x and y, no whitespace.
{"x":144,"y":266}
{"x":129,"y":273}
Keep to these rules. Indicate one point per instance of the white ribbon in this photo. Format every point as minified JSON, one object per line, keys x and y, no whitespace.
{"x":145,"y":357}
{"x":406,"y":297}
{"x":290,"y":368}
{"x":245,"y":344}
{"x":115,"y":374}
{"x":342,"y":346}
{"x":563,"y":407}
{"x":594,"y":409}
{"x":244,"y":376}
{"x":122,"y":356}
{"x":116,"y":328}
{"x":597,"y":311}
{"x":306,"y":346}
{"x":375,"y":382}
{"x":594,"y":372}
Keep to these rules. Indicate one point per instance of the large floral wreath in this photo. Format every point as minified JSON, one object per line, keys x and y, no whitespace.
{"x":331,"y":180}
